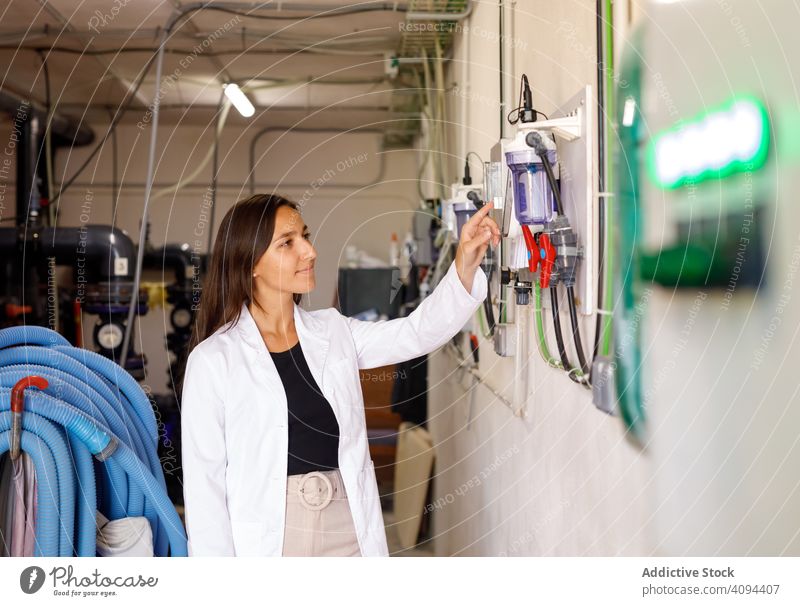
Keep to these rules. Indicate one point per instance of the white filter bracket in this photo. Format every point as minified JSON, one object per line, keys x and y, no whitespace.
{"x":568,"y":128}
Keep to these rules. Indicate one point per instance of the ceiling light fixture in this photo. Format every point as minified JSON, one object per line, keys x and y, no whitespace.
{"x":239,"y":100}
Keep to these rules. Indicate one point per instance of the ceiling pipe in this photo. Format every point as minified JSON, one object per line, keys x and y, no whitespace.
{"x":67,"y":130}
{"x":244,"y":7}
{"x":419,"y":16}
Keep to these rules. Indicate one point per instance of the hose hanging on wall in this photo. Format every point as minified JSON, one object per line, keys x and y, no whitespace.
{"x":86,"y":406}
{"x":566,"y":274}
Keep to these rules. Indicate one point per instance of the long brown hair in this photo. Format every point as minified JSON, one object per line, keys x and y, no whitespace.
{"x":243,"y":236}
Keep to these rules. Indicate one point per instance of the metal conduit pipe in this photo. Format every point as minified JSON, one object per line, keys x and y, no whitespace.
{"x":67,"y":244}
{"x":66,"y":130}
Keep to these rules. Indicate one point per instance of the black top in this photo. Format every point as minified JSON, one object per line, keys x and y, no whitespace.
{"x":313,"y":429}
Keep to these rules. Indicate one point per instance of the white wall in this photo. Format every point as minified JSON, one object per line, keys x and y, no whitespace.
{"x":563,"y":480}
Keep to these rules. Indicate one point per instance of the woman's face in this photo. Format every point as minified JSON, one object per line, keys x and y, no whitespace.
{"x":288,"y":263}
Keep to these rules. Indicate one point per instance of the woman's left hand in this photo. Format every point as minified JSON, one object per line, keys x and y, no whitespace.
{"x":476,"y":235}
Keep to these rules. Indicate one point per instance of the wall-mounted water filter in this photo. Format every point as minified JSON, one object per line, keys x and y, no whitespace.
{"x":533,"y":197}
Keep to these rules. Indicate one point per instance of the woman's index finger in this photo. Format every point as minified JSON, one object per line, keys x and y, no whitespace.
{"x":481,"y":213}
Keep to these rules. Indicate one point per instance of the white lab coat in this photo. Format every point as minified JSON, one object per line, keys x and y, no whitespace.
{"x":234,"y":417}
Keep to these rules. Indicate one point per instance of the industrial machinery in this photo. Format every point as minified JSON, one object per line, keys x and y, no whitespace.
{"x":101,"y":260}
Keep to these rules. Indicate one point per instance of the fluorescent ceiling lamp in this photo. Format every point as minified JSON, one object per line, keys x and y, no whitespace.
{"x":730,"y":139}
{"x":239,"y":100}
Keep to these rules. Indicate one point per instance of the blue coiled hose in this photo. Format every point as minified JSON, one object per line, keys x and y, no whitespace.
{"x":98,"y":373}
{"x":90,"y":404}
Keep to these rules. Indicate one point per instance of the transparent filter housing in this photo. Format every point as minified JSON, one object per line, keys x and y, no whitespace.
{"x":533,"y":198}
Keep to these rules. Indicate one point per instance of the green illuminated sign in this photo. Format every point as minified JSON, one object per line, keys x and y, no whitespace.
{"x":730,"y":139}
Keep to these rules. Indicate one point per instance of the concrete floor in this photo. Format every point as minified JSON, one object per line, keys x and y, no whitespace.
{"x":423,"y":549}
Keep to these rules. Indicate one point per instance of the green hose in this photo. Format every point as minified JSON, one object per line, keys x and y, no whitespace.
{"x":610,"y":103}
{"x":544,"y":350}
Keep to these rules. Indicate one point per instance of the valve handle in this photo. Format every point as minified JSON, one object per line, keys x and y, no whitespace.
{"x":533,"y":249}
{"x":547,"y":256}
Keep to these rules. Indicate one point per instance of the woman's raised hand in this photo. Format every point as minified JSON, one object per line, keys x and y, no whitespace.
{"x":476,"y":235}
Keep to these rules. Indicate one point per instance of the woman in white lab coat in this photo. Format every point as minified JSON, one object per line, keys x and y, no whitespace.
{"x":274,"y":441}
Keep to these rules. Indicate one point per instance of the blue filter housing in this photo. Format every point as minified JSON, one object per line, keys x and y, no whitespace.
{"x":534,"y":203}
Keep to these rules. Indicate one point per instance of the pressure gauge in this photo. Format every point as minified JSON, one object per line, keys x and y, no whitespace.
{"x":181,"y":317}
{"x":109,"y":336}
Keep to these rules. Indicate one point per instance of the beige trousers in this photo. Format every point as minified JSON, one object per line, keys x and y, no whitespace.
{"x":318,"y":517}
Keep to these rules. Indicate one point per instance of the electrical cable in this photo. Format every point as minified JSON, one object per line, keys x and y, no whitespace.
{"x":222,"y":116}
{"x":155,"y":108}
{"x":524,"y":92}
{"x":608,"y":110}
{"x":467,"y":180}
{"x":576,"y":333}
{"x":487,"y":303}
{"x":331,"y":13}
{"x":441,"y":140}
{"x":575,"y":374}
{"x":114,"y":172}
{"x":601,"y":68}
{"x":534,"y":139}
{"x":472,"y":153}
{"x":48,"y":143}
{"x":215,"y":169}
{"x":220,"y":53}
{"x":562,"y":352}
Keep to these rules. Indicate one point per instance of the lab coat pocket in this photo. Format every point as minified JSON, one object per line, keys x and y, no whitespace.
{"x":247,"y":538}
{"x":343,"y":383}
